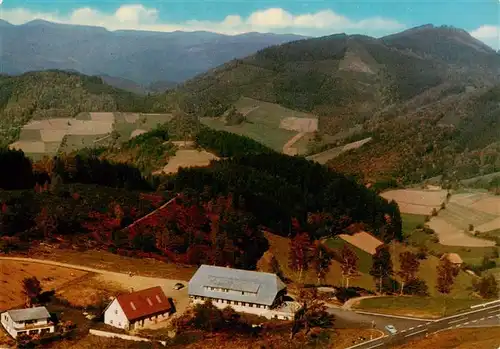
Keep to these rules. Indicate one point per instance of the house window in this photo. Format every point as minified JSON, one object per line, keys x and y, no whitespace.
{"x":243,"y":293}
{"x":111,"y":322}
{"x":116,"y":311}
{"x":120,"y":324}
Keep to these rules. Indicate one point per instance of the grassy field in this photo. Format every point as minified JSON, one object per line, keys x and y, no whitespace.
{"x":12,"y":274}
{"x":263,"y":123}
{"x":75,"y":142}
{"x":365,"y":259}
{"x":427,"y":307}
{"x":270,"y":135}
{"x":465,"y":338}
{"x":411,"y":222}
{"x":112,"y":262}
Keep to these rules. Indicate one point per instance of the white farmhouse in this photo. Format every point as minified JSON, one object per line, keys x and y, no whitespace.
{"x":138,"y":309}
{"x":245,"y":291}
{"x":27,"y":321}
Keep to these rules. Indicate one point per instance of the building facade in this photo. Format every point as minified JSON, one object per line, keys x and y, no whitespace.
{"x":27,"y":321}
{"x":138,"y":309}
{"x":245,"y":291}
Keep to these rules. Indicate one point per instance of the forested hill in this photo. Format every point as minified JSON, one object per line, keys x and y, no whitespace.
{"x":419,"y":93}
{"x":52,"y":94}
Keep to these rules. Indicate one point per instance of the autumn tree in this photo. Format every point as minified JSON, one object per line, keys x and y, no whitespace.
{"x":487,"y":286}
{"x":300,"y":254}
{"x":322,"y":260}
{"x":381,"y":265}
{"x":313,"y":313}
{"x":408,"y":267}
{"x":31,"y":289}
{"x":446,"y":274}
{"x":349,"y":264}
{"x":46,"y":223}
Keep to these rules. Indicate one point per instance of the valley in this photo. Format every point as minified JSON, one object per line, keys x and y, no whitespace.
{"x":359,"y":173}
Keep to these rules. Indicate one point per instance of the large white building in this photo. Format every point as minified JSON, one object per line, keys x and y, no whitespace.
{"x":138,"y":309}
{"x":245,"y":291}
{"x":27,"y":321}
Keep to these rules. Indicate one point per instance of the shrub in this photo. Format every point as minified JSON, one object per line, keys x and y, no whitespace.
{"x":416,"y":287}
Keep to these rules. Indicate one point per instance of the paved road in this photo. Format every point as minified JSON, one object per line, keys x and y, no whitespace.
{"x":480,"y":316}
{"x":350,"y":319}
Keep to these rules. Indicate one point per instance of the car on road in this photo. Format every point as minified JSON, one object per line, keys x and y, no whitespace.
{"x":178,"y":286}
{"x":391,"y":329}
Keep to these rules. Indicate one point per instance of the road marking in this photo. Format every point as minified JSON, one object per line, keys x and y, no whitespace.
{"x":490,"y":317}
{"x":459,"y":320}
{"x":474,"y":320}
{"x":458,"y":325}
{"x":403,"y":331}
{"x":494,"y":311}
{"x":420,"y":325}
{"x":481,"y":319}
{"x":466,"y":323}
{"x":375,"y":346}
{"x":411,"y":328}
{"x":414,"y":333}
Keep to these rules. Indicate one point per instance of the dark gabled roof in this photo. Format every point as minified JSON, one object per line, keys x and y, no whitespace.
{"x":144,"y":303}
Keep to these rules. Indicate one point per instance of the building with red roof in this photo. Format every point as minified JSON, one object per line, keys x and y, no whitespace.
{"x":138,"y":309}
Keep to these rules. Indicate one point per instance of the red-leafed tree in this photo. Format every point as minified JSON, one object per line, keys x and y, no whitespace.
{"x":103,"y":226}
{"x":300,"y":254}
{"x":408,"y":268}
{"x":46,"y":223}
{"x":349,"y":264}
{"x":322,"y":260}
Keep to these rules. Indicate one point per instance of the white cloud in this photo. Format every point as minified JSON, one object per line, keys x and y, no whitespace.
{"x":489,"y":34}
{"x":139,"y":17}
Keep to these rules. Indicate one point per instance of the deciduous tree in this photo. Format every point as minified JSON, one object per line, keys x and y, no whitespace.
{"x":46,"y":223}
{"x":31,"y":289}
{"x":487,"y":286}
{"x":446,"y":274}
{"x":408,"y":267}
{"x":300,"y":254}
{"x":322,"y":260}
{"x":349,"y":264}
{"x":381,"y":265}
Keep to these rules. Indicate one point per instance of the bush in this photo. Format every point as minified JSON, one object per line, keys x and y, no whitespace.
{"x":487,"y":286}
{"x":343,"y":294}
{"x":416,"y":287}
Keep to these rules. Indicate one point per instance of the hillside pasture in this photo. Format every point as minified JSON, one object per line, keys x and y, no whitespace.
{"x":75,"y":142}
{"x":450,"y":235}
{"x":187,"y":158}
{"x":13,"y":272}
{"x":414,"y":201}
{"x":268,"y":123}
{"x":327,"y":155}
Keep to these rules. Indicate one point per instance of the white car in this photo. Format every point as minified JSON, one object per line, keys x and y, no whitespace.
{"x":391,"y":329}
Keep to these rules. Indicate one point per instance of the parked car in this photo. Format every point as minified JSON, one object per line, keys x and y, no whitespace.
{"x":391,"y":329}
{"x":178,"y":286}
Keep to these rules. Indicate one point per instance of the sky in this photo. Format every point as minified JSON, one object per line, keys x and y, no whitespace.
{"x":481,"y":18}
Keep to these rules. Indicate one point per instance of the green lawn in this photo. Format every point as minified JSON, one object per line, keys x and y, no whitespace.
{"x":427,"y":307}
{"x":76,"y":142}
{"x":365,"y":259}
{"x":273,"y":137}
{"x":410,"y":222}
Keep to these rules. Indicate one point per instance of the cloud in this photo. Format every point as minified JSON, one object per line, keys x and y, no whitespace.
{"x":489,"y":34}
{"x":139,"y":17}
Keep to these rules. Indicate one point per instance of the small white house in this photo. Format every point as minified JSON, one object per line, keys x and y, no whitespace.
{"x":245,"y":291}
{"x":27,"y":321}
{"x":138,"y":309}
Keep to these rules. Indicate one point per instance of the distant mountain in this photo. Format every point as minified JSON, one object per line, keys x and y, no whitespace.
{"x":140,"y":56}
{"x":427,"y":96}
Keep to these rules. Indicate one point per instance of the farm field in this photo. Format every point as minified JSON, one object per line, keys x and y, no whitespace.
{"x":417,"y":202}
{"x":12,"y":274}
{"x":425,"y":307}
{"x":411,"y":222}
{"x":465,"y":338}
{"x":187,"y":158}
{"x":449,"y":234}
{"x":330,"y":154}
{"x":268,"y":123}
{"x":50,"y":136}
